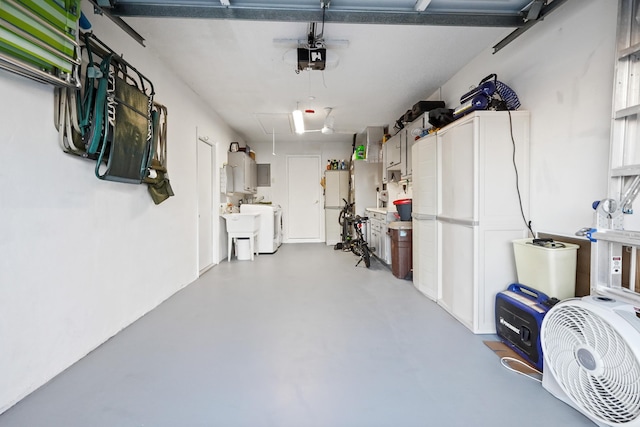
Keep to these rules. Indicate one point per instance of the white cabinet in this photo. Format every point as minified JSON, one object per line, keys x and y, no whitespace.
{"x":365,"y":181}
{"x":392,"y":156}
{"x":466,"y":212}
{"x":378,"y":219}
{"x":425,"y":179}
{"x":336,"y":188}
{"x":404,"y":143}
{"x":479,"y":211}
{"x":397,"y":150}
{"x":332,"y":228}
{"x":336,"y":191}
{"x":425,"y":208}
{"x":245,"y":173}
{"x":425,"y":257}
{"x":375,"y":235}
{"x":458,"y":170}
{"x":412,"y":132}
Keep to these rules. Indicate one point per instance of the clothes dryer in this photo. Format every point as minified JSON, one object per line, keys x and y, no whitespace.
{"x":270,"y":234}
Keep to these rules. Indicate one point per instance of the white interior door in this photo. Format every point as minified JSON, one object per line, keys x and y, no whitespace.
{"x":304,"y":210}
{"x":205,"y":156}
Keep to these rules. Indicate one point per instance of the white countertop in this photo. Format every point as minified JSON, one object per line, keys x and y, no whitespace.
{"x":382,"y":210}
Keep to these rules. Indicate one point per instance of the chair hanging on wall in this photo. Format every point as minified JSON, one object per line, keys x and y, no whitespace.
{"x":157,"y":177}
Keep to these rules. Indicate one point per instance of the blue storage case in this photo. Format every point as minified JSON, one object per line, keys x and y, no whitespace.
{"x":519,"y":313}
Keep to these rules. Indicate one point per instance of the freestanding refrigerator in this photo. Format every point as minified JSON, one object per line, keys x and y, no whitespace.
{"x":335,"y":192}
{"x":424,"y":213}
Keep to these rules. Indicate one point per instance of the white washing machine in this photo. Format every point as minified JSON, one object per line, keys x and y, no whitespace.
{"x":270,"y":234}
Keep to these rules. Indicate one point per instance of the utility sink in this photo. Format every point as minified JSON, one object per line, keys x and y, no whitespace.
{"x":242,"y":222}
{"x":242,"y":226}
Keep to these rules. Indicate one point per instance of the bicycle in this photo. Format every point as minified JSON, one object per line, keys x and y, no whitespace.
{"x":359,"y":245}
{"x":344,"y":219}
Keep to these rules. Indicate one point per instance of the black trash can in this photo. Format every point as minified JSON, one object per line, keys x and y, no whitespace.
{"x":401,"y":249}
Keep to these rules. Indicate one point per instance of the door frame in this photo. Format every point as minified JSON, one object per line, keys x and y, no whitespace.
{"x":214,"y":194}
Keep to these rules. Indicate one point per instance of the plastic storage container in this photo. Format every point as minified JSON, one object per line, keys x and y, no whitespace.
{"x":403,"y":206}
{"x":549,"y":267}
{"x":243,"y":247}
{"x":401,"y":250}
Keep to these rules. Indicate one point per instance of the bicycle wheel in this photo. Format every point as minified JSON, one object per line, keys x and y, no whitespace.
{"x":366,"y":256}
{"x":356,"y":247}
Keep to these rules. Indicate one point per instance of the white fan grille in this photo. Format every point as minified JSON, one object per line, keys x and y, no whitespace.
{"x":592,"y":363}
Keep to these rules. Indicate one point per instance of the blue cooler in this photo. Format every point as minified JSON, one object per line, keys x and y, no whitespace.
{"x":519,"y":313}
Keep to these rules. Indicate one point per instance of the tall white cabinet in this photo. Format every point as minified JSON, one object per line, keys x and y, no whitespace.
{"x":477,"y":212}
{"x":336,"y":191}
{"x":424,"y":211}
{"x":365,"y":180}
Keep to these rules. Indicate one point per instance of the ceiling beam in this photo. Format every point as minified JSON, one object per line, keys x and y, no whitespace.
{"x":544,"y":11}
{"x":309,"y":15}
{"x":100,"y":9}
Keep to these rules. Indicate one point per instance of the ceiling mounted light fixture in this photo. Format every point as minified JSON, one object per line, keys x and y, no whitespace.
{"x":298,"y":121}
{"x":421,"y":5}
{"x":225,"y":2}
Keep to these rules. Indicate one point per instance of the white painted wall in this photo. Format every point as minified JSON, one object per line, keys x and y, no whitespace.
{"x":80,"y":258}
{"x":562,"y":71}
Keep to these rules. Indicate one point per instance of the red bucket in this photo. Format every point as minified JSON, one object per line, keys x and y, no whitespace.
{"x":403,"y":206}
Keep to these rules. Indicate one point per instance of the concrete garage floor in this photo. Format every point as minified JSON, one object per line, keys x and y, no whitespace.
{"x":300,"y":338}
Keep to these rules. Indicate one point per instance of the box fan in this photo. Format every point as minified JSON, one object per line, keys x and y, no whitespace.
{"x":591,"y":350}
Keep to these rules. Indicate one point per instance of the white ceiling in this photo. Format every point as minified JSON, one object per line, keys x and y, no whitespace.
{"x":245,"y":69}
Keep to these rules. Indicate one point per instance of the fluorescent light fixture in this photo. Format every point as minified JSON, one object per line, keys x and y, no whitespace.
{"x":225,"y":2}
{"x":421,"y":5}
{"x":298,"y":121}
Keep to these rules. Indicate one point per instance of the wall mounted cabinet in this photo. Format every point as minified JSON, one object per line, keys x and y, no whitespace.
{"x":411,"y":133}
{"x":392,"y":158}
{"x":245,"y":172}
{"x":397,"y":150}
